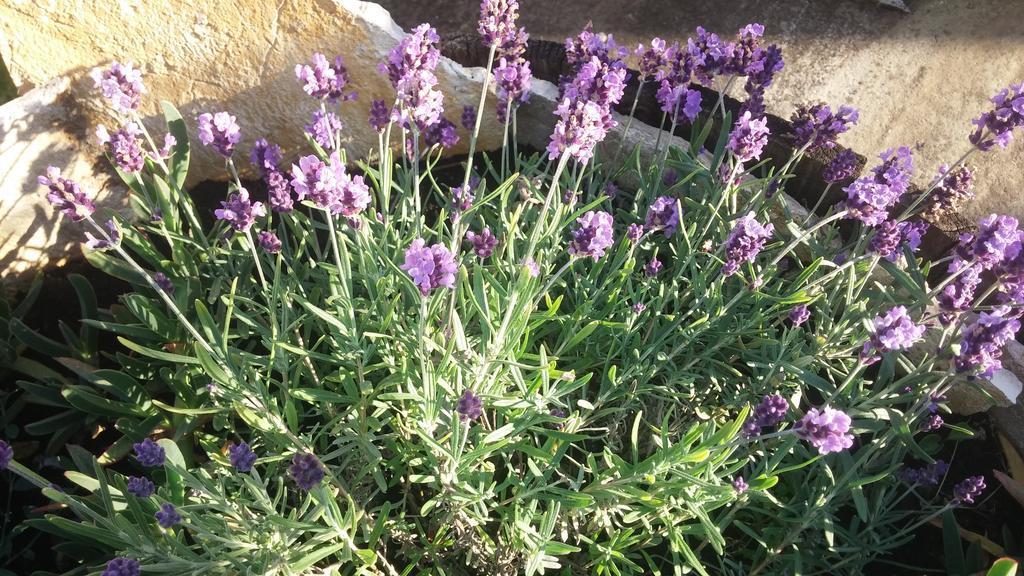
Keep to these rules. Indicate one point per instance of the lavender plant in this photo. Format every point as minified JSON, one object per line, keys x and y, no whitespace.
{"x":369,"y":370}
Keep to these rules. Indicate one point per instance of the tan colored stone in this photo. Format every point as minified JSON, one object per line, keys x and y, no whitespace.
{"x":212,"y":55}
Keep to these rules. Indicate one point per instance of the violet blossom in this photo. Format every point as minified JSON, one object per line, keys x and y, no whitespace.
{"x":497,"y":21}
{"x":982,"y":343}
{"x":140,"y":486}
{"x":113,"y":233}
{"x":66,"y":196}
{"x":652,"y":268}
{"x":121,"y":84}
{"x":996,"y":126}
{"x":167,"y":516}
{"x":324,"y":128}
{"x":592,"y":236}
{"x":430,"y":266}
{"x":410,"y":68}
{"x":468,"y":117}
{"x":124,"y":146}
{"x":122,"y":567}
{"x":968,"y":490}
{"x":269,"y":241}
{"x":219,"y":131}
{"x":149,"y":453}
{"x":870,"y":198}
{"x":745,"y":242}
{"x":325,"y":80}
{"x":663,"y":214}
{"x":484,"y":243}
{"x":6,"y":455}
{"x":239,"y":212}
{"x":748,"y":138}
{"x":929,"y":475}
{"x":816,"y":126}
{"x":799,"y":314}
{"x":470,"y":406}
{"x":826,"y":429}
{"x":306,"y":471}
{"x":843,"y":167}
{"x":241,"y":457}
{"x":634,"y":232}
{"x":890,"y":238}
{"x":329,"y":186}
{"x":893,"y":331}
{"x":379,"y":115}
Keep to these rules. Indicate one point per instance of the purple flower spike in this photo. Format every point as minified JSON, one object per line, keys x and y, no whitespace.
{"x":241,"y":457}
{"x":279,"y":192}
{"x":498,"y":21}
{"x":124,"y":146}
{"x":379,"y":115}
{"x":676,"y":100}
{"x":66,"y":196}
{"x":324,"y":79}
{"x":891,"y":332}
{"x":323,"y":128}
{"x":430,"y":266}
{"x":532,"y":267}
{"x":468,"y":117}
{"x":484,"y":243}
{"x":748,"y":138}
{"x":442,"y":132}
{"x":652,"y":59}
{"x":239,"y":212}
{"x":593,"y":235}
{"x":770,"y":412}
{"x":996,"y":126}
{"x":634,"y":232}
{"x":269,"y":241}
{"x":513,"y":80}
{"x":6,"y":455}
{"x":952,"y":188}
{"x":121,"y":84}
{"x":122,"y":567}
{"x":958,"y":296}
{"x":982,"y":345}
{"x":890,"y":238}
{"x":817,"y":126}
{"x":164,"y":282}
{"x":306,"y":471}
{"x":870,"y":197}
{"x":739,"y":485}
{"x":149,"y":453}
{"x":933,"y":423}
{"x":462,"y":199}
{"x":167,"y":516}
{"x":929,"y":475}
{"x":94,"y":243}
{"x":639,"y":308}
{"x":827,"y":430}
{"x":410,"y":68}
{"x":470,"y":406}
{"x":219,"y":131}
{"x":329,"y":186}
{"x":663,"y":214}
{"x":140,"y":487}
{"x":997,"y":240}
{"x":745,"y":242}
{"x":967,"y":490}
{"x":843,"y":167}
{"x":265,"y":157}
{"x":652,"y":268}
{"x":799,"y":314}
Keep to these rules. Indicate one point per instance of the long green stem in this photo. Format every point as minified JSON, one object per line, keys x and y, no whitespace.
{"x":479,"y":115}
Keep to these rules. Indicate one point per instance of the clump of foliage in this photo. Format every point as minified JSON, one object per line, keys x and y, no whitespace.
{"x":581,"y":362}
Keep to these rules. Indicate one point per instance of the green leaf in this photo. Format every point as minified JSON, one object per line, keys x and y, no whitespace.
{"x":956,"y":564}
{"x":1003,"y":567}
{"x":315,"y":395}
{"x":157,"y":354}
{"x":179,"y":160}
